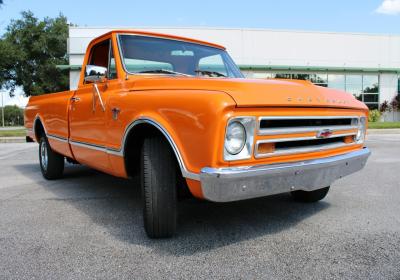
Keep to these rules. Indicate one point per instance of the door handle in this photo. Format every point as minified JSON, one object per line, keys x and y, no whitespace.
{"x":75,"y":99}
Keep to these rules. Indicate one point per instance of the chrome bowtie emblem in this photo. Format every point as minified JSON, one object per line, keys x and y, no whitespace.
{"x":325,"y":133}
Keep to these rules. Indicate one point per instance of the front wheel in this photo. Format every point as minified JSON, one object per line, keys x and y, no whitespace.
{"x":159,"y":184}
{"x":51,"y":163}
{"x":311,"y":196}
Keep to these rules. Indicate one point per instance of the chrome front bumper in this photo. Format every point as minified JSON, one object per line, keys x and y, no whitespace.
{"x":238,"y":183}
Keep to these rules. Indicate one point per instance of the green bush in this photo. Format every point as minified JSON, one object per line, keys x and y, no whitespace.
{"x":374,"y":116}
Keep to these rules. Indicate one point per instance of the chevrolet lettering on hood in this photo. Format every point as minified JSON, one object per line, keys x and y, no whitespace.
{"x":317,"y":100}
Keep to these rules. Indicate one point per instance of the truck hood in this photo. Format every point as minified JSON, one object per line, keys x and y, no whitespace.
{"x":258,"y":92}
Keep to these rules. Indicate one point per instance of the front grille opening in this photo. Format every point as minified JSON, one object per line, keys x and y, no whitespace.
{"x":287,"y":123}
{"x":308,"y":143}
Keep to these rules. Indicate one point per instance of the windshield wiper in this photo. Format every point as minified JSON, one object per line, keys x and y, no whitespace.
{"x":163,"y":71}
{"x":210,"y":73}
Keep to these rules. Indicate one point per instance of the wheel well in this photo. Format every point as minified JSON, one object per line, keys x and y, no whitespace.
{"x":133,"y":146}
{"x":39,"y":130}
{"x":132,"y":153}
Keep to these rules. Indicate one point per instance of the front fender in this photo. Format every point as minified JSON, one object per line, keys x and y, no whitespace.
{"x":193,"y":121}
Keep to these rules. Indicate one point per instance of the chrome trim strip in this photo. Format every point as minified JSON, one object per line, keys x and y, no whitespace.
{"x":95,"y":147}
{"x":185,"y":172}
{"x":308,"y":117}
{"x":88,"y":146}
{"x":301,"y":129}
{"x":58,"y":138}
{"x":309,"y":149}
{"x":276,"y":140}
{"x":238,"y":183}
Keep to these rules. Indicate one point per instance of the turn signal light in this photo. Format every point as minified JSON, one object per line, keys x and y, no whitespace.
{"x":266,"y":148}
{"x":349,"y":139}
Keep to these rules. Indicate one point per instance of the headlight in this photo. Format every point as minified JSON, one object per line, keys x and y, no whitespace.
{"x":360,"y":137}
{"x":235,"y":138}
{"x":239,"y":138}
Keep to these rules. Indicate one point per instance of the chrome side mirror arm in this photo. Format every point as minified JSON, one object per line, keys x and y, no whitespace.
{"x":96,"y":91}
{"x":95,"y":74}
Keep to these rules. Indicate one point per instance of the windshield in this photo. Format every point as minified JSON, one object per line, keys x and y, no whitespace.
{"x":149,"y":55}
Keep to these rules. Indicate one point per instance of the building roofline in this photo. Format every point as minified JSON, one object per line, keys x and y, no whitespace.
{"x":238,"y":29}
{"x":318,"y":68}
{"x":308,"y":68}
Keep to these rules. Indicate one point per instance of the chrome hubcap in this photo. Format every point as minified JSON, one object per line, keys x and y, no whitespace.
{"x":43,"y":155}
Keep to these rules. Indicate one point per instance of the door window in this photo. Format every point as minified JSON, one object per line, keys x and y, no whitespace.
{"x":102,"y":55}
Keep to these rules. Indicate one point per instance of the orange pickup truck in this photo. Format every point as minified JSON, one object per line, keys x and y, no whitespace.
{"x":179,"y":114}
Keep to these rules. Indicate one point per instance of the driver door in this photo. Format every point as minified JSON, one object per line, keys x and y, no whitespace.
{"x":89,"y":107}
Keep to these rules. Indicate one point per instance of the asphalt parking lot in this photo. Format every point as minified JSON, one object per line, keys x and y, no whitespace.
{"x":89,"y":225}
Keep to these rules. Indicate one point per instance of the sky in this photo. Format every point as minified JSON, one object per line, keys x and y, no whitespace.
{"x":360,"y":16}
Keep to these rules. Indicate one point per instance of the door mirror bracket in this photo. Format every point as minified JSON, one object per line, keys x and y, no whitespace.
{"x":96,"y":74}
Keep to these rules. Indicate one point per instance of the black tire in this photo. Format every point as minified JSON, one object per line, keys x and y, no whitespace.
{"x":159,"y":184}
{"x":312,"y":196}
{"x":51,"y":163}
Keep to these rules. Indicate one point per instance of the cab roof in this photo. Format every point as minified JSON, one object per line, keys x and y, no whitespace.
{"x":160,"y":35}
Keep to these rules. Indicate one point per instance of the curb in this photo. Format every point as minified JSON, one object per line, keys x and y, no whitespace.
{"x":12,"y":127}
{"x":384,"y":131}
{"x":21,"y":139}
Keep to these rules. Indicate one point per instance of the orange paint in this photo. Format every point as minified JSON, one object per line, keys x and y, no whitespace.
{"x":193,"y":111}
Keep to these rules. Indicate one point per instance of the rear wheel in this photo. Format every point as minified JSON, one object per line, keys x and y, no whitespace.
{"x":51,"y":163}
{"x":159,"y":184}
{"x":311,"y":196}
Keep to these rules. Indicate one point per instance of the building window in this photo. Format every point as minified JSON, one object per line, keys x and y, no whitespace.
{"x":320,"y":80}
{"x":337,"y":81}
{"x":258,"y":75}
{"x":364,"y":87}
{"x":282,"y":76}
{"x":354,"y":85}
{"x":370,"y":84}
{"x":371,"y":91}
{"x":300,"y":76}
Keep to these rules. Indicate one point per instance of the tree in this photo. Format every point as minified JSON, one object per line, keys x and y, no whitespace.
{"x":30,"y":50}
{"x":13,"y":115}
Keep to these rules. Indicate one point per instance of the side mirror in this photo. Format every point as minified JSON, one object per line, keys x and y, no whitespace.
{"x":95,"y":74}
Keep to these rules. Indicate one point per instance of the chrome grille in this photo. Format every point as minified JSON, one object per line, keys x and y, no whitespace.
{"x":304,"y":134}
{"x":293,"y":124}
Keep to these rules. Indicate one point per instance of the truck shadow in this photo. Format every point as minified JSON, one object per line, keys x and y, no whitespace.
{"x":115,"y":205}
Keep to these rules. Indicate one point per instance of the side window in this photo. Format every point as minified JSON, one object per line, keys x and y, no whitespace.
{"x":102,"y":55}
{"x":213,"y":63}
{"x":99,"y":54}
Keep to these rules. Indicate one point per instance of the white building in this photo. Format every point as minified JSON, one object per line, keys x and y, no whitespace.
{"x":365,"y":65}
